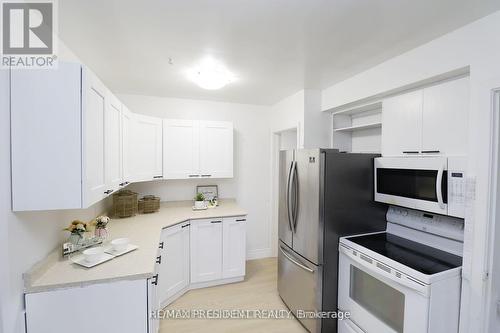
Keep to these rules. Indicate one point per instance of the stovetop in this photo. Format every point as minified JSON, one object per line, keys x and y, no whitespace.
{"x":422,"y":258}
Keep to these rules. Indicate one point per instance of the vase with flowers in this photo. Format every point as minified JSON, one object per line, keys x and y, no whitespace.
{"x":100,"y":224}
{"x":77,"y":230}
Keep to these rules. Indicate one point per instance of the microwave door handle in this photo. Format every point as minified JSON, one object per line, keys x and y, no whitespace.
{"x":370,"y":269}
{"x":439,"y":188}
{"x":288,"y":197}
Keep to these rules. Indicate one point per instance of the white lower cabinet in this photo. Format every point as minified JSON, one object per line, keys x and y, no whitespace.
{"x":206,"y":250}
{"x":115,"y":307}
{"x":233,"y":246}
{"x":173,"y":261}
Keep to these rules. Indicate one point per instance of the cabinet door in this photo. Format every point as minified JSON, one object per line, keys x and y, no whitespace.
{"x":147,"y":148}
{"x":402,"y":124}
{"x":113,"y":140}
{"x":216,"y":149}
{"x":180,"y":149}
{"x":127,"y":143}
{"x":174,"y":268}
{"x":206,"y":250}
{"x":445,"y":116}
{"x":233,"y":247}
{"x":94,"y":115}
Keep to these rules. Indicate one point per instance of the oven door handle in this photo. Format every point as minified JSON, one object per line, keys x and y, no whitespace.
{"x":382,"y":274}
{"x":439,"y":189}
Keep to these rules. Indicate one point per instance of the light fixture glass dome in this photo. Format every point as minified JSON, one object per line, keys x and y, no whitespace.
{"x":211,"y":75}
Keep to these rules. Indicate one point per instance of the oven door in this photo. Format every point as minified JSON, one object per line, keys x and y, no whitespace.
{"x":413,"y":182}
{"x":378,"y":298}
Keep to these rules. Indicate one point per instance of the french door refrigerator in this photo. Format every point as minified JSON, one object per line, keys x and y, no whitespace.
{"x":323,"y":195}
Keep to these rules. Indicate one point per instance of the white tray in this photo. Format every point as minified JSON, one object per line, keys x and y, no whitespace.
{"x":109,"y":250}
{"x":80,"y":260}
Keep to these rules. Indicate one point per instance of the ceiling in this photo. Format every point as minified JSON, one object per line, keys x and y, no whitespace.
{"x":273,"y":47}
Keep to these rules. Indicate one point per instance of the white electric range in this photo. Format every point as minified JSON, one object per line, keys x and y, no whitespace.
{"x":407,"y":279}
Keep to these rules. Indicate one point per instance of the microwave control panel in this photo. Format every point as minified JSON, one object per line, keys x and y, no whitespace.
{"x":456,"y":186}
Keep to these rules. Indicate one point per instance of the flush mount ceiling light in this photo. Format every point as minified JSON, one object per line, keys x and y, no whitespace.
{"x":211,"y":75}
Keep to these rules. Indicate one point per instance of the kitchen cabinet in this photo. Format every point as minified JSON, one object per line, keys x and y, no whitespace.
{"x":233,"y":246}
{"x":119,"y":306}
{"x":147,"y":149}
{"x":206,"y":250}
{"x":216,"y":149}
{"x":62,"y":127}
{"x":113,"y":140}
{"x":445,"y":117}
{"x":173,"y":275}
{"x":180,"y":149}
{"x":127,"y":140}
{"x":402,"y":124}
{"x":197,"y":149}
{"x":432,"y":120}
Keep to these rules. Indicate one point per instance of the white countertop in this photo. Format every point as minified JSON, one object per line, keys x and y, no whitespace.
{"x":143,"y":230}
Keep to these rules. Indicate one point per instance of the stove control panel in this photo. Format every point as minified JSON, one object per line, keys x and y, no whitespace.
{"x":444,"y":226}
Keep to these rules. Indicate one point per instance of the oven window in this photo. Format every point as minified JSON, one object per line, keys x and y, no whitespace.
{"x":408,"y":183}
{"x":382,"y":301}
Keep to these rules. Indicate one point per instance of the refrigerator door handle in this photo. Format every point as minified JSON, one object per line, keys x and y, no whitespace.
{"x":304,"y":267}
{"x":288,"y":196}
{"x":295,"y":197}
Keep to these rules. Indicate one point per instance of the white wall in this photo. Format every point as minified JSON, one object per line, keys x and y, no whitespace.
{"x":25,"y":238}
{"x":251,"y":160}
{"x":476,"y":45}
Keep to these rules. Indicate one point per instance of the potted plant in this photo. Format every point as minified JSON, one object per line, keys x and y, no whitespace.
{"x":100,"y":224}
{"x":199,"y":201}
{"x":77,"y":229}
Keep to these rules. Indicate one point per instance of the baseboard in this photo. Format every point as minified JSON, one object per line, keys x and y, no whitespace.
{"x":260,"y":253}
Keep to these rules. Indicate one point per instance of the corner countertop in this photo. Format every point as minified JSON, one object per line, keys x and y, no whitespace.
{"x":143,"y":230}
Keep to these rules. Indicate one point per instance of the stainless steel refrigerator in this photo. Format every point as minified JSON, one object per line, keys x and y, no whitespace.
{"x":323,"y":195}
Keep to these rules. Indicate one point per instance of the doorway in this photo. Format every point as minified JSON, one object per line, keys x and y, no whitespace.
{"x":287,"y":139}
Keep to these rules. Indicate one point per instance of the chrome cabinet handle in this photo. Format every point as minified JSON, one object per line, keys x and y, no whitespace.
{"x":296,"y":262}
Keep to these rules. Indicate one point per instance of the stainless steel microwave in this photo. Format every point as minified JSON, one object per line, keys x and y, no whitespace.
{"x":432,"y":184}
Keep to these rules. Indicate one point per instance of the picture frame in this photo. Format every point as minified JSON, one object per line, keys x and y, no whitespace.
{"x":209,"y":191}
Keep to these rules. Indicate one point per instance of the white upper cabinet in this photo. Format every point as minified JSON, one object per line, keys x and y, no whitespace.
{"x":197,"y":149}
{"x":234,"y":246}
{"x":180,"y":149}
{"x":402,"y":124}
{"x":444,"y":128}
{"x":216,"y":149}
{"x":127,"y":140}
{"x":430,"y":121}
{"x":206,"y":250}
{"x":113,"y":140}
{"x":46,"y":138}
{"x":147,"y":149}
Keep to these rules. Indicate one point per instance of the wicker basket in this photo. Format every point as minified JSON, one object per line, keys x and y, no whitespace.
{"x":149,"y":204}
{"x":125,"y":203}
